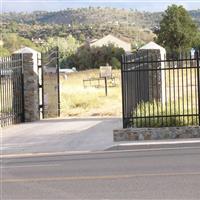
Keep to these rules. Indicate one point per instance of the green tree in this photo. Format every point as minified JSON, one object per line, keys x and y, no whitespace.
{"x":177,"y":29}
{"x":67,"y":47}
{"x":87,"y":58}
{"x":13,"y":42}
{"x":4,"y":52}
{"x":196,"y":41}
{"x":13,"y":27}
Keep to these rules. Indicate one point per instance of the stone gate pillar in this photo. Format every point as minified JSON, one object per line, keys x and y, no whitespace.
{"x":158,"y":84}
{"x":30,"y":83}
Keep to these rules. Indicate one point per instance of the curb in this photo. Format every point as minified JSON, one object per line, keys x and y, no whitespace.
{"x":133,"y":146}
{"x":155,"y":144}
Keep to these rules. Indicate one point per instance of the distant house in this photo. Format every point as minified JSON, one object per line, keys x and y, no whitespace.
{"x":110,"y":39}
{"x":37,"y":40}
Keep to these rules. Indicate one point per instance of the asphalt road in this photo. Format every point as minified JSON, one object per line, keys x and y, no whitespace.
{"x":140,"y":174}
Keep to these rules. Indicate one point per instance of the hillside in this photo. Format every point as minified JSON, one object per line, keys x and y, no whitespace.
{"x":196,"y":15}
{"x":87,"y":16}
{"x":85,"y":24}
{"x":92,"y":15}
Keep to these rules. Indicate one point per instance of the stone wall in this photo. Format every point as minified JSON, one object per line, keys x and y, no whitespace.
{"x":133,"y":134}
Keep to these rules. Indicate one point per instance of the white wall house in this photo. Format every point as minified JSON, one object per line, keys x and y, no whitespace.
{"x":110,"y":39}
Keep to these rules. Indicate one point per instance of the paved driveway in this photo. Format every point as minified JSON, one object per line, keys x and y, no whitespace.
{"x":59,"y":135}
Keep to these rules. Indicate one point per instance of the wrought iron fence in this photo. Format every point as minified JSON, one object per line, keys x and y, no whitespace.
{"x":11,"y":90}
{"x":49,"y":83}
{"x":160,"y":91}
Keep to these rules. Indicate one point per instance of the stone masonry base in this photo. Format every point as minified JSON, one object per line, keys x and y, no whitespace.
{"x":132,"y":134}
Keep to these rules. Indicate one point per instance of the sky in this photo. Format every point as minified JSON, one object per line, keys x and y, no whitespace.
{"x":55,"y":5}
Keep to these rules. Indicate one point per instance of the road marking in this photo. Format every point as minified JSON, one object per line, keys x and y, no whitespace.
{"x":87,"y":178}
{"x":25,"y":166}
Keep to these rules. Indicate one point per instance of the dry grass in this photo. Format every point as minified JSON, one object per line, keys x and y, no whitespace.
{"x":181,"y":84}
{"x":79,"y":101}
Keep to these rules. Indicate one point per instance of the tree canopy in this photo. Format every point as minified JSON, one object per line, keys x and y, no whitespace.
{"x":67,"y":47}
{"x":177,"y":29}
{"x":13,"y":42}
{"x":93,"y":57}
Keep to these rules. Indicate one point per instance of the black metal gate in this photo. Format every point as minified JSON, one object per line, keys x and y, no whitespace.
{"x":11,"y":90}
{"x":49,"y":89}
{"x":160,"y":91}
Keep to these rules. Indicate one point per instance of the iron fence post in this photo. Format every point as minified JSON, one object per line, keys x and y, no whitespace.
{"x":106,"y":86}
{"x":58,"y":80}
{"x":42,"y":82}
{"x":22,"y":87}
{"x":198,"y":84}
{"x":122,"y":86}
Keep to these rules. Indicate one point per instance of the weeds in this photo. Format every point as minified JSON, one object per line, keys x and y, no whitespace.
{"x":157,"y":114}
{"x":79,"y":101}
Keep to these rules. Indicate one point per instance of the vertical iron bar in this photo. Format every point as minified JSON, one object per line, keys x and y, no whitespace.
{"x":186,"y":64}
{"x":166,"y":92}
{"x":183,"y":96}
{"x":1,"y":91}
{"x":174,"y":94}
{"x":106,"y":86}
{"x":163,"y":72}
{"x":7,"y":91}
{"x":22,"y":88}
{"x":178,"y":85}
{"x":4,"y":91}
{"x":145,"y":78}
{"x":122,"y":87}
{"x":148,"y":89}
{"x":1,"y":86}
{"x":198,"y":84}
{"x":158,"y":87}
{"x":42,"y":77}
{"x":196,"y":92}
{"x":58,"y":80}
{"x":136,"y":93}
{"x":13,"y":98}
{"x":191,"y":86}
{"x":170,"y":97}
{"x":140,"y":91}
{"x":152,"y":88}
